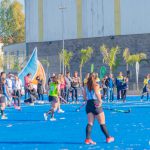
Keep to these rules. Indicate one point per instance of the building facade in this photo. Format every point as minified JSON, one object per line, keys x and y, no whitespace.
{"x":49,"y":20}
{"x":14,"y":54}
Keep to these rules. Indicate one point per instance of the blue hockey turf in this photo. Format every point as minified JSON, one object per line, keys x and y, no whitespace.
{"x":27,"y":130}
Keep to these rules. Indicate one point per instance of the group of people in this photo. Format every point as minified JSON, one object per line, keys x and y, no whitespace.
{"x":109,"y":83}
{"x":92,"y":96}
{"x":10,"y":89}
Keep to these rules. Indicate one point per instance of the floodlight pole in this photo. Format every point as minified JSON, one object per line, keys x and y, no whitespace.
{"x":63,"y":46}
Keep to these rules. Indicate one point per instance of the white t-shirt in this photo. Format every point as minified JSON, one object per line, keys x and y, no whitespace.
{"x":9,"y":83}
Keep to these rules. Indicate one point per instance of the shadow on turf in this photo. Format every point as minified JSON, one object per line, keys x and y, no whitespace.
{"x":39,"y":142}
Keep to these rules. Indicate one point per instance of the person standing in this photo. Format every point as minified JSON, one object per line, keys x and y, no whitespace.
{"x":119,"y":83}
{"x":62,"y":85}
{"x":124,"y":89}
{"x":17,"y":87}
{"x":104,"y":87}
{"x":110,"y":88}
{"x":40,"y":87}
{"x":9,"y":85}
{"x":75,"y":85}
{"x":68,"y":82}
{"x":146,"y":82}
{"x":94,"y":109}
{"x":3,"y":97}
{"x":27,"y":82}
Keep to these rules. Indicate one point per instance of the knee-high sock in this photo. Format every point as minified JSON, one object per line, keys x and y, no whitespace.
{"x":88,"y":131}
{"x":104,"y":130}
{"x":2,"y":112}
{"x":51,"y":111}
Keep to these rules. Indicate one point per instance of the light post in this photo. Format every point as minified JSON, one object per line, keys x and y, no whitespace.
{"x":63,"y":46}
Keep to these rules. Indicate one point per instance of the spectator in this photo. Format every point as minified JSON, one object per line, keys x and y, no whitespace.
{"x":110,"y":88}
{"x":68,"y":82}
{"x":119,"y":82}
{"x":27,"y":82}
{"x":75,"y":85}
{"x":40,"y":87}
{"x":17,"y":87}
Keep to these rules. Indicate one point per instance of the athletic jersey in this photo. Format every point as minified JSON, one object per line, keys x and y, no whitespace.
{"x":146,"y":81}
{"x":91,"y":94}
{"x":53,"y":89}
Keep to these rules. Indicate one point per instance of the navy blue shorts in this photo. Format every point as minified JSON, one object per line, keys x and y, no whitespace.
{"x":91,"y":108}
{"x":52,"y":99}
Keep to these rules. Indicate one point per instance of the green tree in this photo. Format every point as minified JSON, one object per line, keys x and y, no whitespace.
{"x":110,"y":56}
{"x":126,"y":54}
{"x":136,"y":58}
{"x":12,"y":22}
{"x":133,"y":59}
{"x":67,"y":58}
{"x":85,"y":56}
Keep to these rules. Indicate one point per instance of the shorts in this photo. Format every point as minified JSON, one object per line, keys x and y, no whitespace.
{"x":91,"y":108}
{"x":2,"y":99}
{"x":52,"y":99}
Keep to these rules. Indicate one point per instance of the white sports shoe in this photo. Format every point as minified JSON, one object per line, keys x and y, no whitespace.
{"x":4,"y":117}
{"x":45,"y":116}
{"x":61,"y":111}
{"x":52,"y":119}
{"x":31,"y":104}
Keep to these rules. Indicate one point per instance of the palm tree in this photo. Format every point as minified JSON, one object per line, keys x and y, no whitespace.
{"x":126,"y":55}
{"x":85,"y":56}
{"x":134,"y":59}
{"x":110,"y":56}
{"x":67,"y":57}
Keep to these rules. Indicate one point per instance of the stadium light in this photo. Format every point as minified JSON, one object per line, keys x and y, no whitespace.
{"x":62,"y":12}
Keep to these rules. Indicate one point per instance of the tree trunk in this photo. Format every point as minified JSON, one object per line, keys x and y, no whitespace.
{"x":127,"y":67}
{"x":110,"y":70}
{"x":81,"y":73}
{"x":137,"y":75}
{"x":65,"y":71}
{"x":60,"y":65}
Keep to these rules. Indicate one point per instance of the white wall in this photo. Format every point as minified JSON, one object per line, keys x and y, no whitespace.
{"x":31,"y":10}
{"x":98,"y":18}
{"x":135,"y":16}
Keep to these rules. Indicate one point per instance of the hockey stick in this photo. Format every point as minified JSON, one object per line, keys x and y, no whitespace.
{"x":63,"y":99}
{"x":80,"y":107}
{"x":118,"y":110}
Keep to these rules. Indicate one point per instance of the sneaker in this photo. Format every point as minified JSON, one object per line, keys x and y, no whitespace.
{"x":45,"y":116}
{"x":52,"y":119}
{"x":61,"y":111}
{"x":31,"y":104}
{"x":110,"y":139}
{"x":17,"y":107}
{"x":4,"y":117}
{"x":89,"y":141}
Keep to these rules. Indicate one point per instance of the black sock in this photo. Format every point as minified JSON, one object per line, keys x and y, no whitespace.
{"x":104,"y":130}
{"x":88,"y":131}
{"x":52,"y":116}
{"x":2,"y":112}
